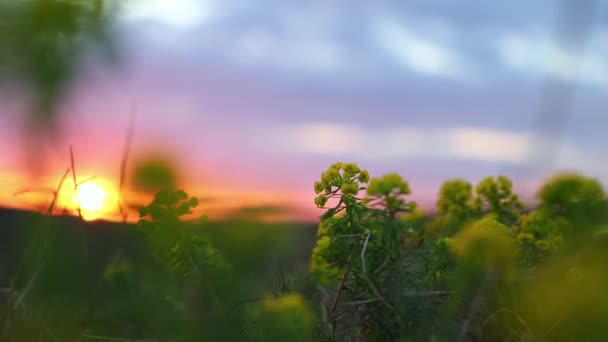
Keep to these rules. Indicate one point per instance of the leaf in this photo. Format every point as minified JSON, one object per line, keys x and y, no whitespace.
{"x":328,"y":214}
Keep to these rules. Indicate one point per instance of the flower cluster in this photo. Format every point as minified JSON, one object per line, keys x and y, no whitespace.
{"x":524,"y":238}
{"x":391,"y":183}
{"x":389,"y":192}
{"x":346,"y":178}
{"x":543,"y":245}
{"x":495,"y":195}
{"x":541,"y":232}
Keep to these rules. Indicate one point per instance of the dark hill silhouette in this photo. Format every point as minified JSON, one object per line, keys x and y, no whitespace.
{"x":100,"y":241}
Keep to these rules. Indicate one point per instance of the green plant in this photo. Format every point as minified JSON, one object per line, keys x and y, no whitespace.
{"x":455,"y":205}
{"x":181,"y":246}
{"x":364,"y":267}
{"x":579,"y":200}
{"x":287,"y":317}
{"x":495,"y":196}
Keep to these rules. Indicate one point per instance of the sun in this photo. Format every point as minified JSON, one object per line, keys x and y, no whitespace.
{"x":91,"y":197}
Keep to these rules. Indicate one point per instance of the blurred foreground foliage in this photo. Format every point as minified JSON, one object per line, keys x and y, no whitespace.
{"x":482,"y":268}
{"x":44,"y":42}
{"x":153,"y":174}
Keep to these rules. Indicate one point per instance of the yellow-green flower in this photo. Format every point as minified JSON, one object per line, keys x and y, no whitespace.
{"x":486,"y":241}
{"x":364,"y":176}
{"x":320,"y":200}
{"x":319,"y":187}
{"x":330,"y":175}
{"x":524,"y":238}
{"x":542,"y":245}
{"x":389,"y":183}
{"x":337,"y":166}
{"x":351,"y":169}
{"x":349,"y":188}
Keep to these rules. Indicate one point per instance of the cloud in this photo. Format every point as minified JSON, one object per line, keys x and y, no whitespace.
{"x":331,"y":139}
{"x":516,"y":51}
{"x":485,"y":144}
{"x":287,"y":51}
{"x":403,"y":142}
{"x":179,"y":14}
{"x":535,"y":53}
{"x":588,"y":160}
{"x":406,"y":142}
{"x":324,"y":138}
{"x":418,"y":53}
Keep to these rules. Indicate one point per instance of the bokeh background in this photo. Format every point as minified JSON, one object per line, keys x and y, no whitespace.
{"x":250,"y":100}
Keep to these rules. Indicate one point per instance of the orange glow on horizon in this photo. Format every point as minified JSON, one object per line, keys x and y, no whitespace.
{"x":101,"y":200}
{"x":96,"y":199}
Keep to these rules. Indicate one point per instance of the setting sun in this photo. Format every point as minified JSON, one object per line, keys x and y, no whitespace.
{"x":91,"y":196}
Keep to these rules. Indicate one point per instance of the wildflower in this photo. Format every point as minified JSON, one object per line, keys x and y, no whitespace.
{"x":349,"y":188}
{"x":320,"y":200}
{"x":387,"y":184}
{"x":375,"y":187}
{"x":364,"y":176}
{"x":319,"y":187}
{"x":351,"y":169}
{"x":331,"y":175}
{"x":542,"y":245}
{"x":524,"y":238}
{"x":338,"y":166}
{"x":492,"y":241}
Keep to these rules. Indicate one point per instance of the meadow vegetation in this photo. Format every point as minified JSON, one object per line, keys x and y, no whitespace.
{"x":480,"y":267}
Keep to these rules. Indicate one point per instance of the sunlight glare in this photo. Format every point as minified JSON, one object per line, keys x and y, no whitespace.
{"x":91,"y":196}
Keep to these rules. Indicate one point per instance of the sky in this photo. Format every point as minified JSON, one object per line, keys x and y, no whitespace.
{"x":252,"y":100}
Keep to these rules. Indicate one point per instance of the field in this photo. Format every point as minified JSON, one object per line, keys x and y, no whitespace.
{"x":376,"y":268}
{"x":100,"y":278}
{"x":197,"y":170}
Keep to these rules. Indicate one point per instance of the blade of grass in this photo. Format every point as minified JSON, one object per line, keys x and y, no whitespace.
{"x":75,"y":182}
{"x":124,"y":161}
